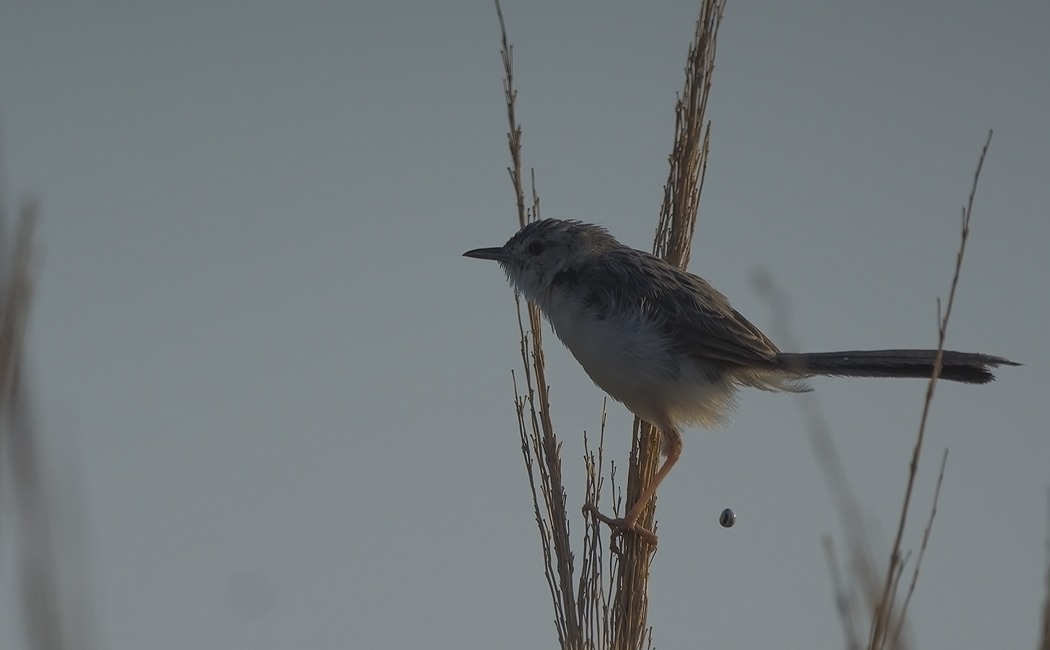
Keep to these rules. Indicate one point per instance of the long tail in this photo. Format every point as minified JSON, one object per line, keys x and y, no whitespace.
{"x":966,"y":367}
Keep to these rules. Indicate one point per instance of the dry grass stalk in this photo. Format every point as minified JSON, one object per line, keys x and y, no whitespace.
{"x":922,"y":550}
{"x":539,"y":444}
{"x":673,"y":242}
{"x":886,"y":621}
{"x":605,"y":612}
{"x":883,"y":624}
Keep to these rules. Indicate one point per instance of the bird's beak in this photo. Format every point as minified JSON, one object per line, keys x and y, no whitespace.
{"x":498,"y":254}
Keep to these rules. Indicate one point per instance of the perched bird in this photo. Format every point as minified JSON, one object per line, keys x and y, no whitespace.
{"x":669,"y":346}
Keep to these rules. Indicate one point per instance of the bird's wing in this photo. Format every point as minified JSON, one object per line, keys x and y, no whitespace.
{"x":687,"y":309}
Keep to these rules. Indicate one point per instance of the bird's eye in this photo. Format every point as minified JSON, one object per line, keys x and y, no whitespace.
{"x":535,"y":248}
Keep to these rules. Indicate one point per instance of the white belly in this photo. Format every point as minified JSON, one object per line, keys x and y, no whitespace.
{"x":633,"y":364}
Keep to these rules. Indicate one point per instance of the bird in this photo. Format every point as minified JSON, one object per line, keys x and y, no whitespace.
{"x":667,"y":345}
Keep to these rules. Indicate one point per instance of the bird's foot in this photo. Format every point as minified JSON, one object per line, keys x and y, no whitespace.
{"x":620,"y":526}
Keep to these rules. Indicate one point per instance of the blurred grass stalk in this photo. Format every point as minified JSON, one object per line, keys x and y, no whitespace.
{"x":607,"y":606}
{"x":37,"y":567}
{"x":56,"y":612}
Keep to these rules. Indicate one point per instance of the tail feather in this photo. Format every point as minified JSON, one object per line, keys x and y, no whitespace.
{"x":966,"y":367}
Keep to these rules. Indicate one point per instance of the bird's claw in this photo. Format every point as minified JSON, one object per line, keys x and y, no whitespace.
{"x":620,"y":526}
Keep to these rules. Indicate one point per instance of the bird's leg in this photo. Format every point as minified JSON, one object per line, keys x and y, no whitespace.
{"x":672,"y":446}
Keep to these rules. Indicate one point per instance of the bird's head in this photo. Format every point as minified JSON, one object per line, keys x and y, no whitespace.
{"x":533,"y":258}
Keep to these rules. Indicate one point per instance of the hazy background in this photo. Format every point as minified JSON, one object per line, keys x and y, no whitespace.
{"x":281,"y":399}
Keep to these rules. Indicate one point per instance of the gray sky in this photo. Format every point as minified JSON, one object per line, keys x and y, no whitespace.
{"x":287,"y":397}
